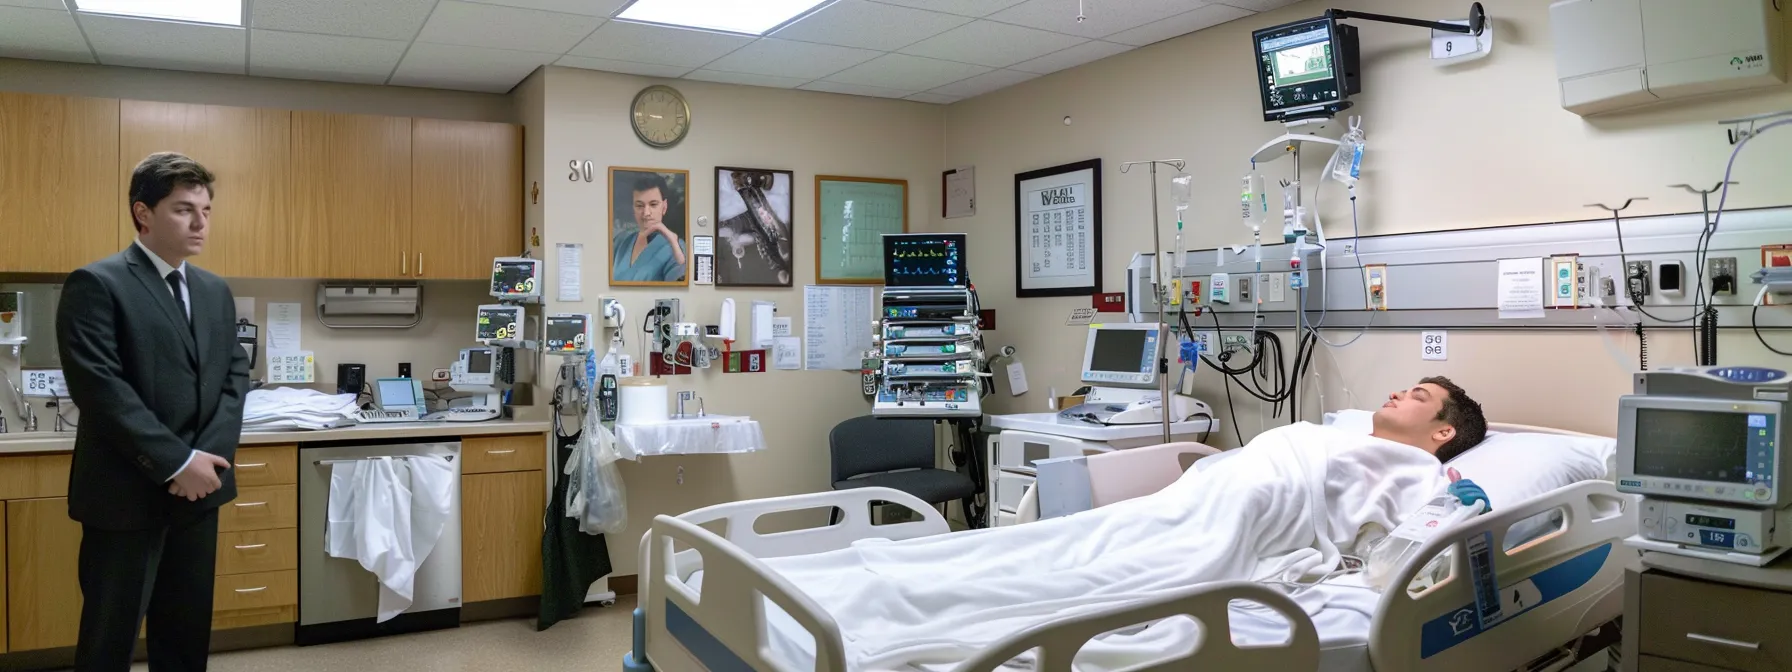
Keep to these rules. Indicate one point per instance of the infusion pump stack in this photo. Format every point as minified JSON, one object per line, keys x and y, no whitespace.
{"x":1703,"y":446}
{"x":928,"y":361}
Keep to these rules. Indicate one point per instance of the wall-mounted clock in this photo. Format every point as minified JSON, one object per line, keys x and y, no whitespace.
{"x":660,"y":116}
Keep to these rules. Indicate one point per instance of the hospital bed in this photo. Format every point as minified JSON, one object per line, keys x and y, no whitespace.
{"x":703,"y":605}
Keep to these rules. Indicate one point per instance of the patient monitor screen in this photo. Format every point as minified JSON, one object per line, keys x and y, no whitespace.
{"x":1297,"y":65}
{"x":1126,"y":357}
{"x":479,"y":360}
{"x":1701,"y":445}
{"x":396,"y":393}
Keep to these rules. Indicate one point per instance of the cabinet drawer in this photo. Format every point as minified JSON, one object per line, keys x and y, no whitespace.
{"x":1653,"y":664}
{"x":34,"y":477}
{"x":1009,"y":489}
{"x":269,"y":507}
{"x":257,"y":551}
{"x":1715,"y":624}
{"x":255,"y":591}
{"x":267,"y":465}
{"x":492,"y":454}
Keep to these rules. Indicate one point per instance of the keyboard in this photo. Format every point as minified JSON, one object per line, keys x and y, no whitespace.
{"x":374,"y":415}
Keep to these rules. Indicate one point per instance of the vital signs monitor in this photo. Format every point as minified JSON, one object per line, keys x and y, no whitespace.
{"x":925,"y":260}
{"x":1306,"y":68}
{"x":1122,"y":355}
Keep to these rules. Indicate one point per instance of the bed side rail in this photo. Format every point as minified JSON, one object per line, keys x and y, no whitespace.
{"x":1549,"y":587}
{"x":728,"y":609}
{"x":1057,"y":642}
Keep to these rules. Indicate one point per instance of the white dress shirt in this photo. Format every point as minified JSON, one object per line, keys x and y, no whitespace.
{"x":186,"y":299}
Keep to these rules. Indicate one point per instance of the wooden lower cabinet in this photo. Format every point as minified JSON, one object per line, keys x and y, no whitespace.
{"x":500,"y":518}
{"x":43,"y":605}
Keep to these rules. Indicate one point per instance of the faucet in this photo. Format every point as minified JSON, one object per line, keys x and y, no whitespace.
{"x":22,"y":406}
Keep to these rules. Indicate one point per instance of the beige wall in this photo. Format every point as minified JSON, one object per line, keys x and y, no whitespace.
{"x":809,"y":133}
{"x":1481,"y":144}
{"x":98,"y":81}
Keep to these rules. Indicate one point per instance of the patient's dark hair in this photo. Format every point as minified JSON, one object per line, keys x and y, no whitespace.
{"x":1463,"y":413}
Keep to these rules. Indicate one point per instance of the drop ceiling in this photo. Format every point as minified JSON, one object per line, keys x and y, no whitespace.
{"x":932,"y":51}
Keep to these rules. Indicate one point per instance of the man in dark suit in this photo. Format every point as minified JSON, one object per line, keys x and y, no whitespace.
{"x":149,"y":350}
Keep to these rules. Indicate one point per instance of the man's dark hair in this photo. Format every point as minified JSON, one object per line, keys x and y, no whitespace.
{"x":650,"y":181}
{"x":1463,"y":413}
{"x":159,"y":175}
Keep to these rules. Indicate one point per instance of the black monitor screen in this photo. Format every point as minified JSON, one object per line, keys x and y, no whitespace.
{"x":479,"y":360}
{"x":1696,"y":445}
{"x":925,"y":260}
{"x":1297,"y":65}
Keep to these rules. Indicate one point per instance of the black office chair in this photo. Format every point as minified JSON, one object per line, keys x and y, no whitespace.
{"x":893,"y":453}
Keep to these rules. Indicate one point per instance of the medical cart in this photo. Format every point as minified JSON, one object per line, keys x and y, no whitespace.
{"x":1685,"y":613}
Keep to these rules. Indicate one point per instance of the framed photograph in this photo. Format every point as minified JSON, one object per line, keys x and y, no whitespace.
{"x":650,"y":218}
{"x":1057,"y":230}
{"x":851,"y":216}
{"x":753,"y":227}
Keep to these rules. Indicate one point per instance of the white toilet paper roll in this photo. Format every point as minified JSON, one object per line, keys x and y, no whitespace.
{"x":642,"y":401}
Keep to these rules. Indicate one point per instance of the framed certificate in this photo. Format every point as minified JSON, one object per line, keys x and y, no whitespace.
{"x":851,"y":216}
{"x":1057,"y":230}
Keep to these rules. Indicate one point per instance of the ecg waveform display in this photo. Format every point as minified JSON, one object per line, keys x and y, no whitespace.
{"x":1693,"y":445}
{"x":924,"y":261}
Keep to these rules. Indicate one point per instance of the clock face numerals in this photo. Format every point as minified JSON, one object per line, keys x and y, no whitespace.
{"x":661,"y":117}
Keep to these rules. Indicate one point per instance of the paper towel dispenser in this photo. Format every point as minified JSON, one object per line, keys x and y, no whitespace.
{"x":1617,"y":54}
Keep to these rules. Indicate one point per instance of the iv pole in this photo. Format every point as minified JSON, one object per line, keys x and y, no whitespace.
{"x":1157,"y":252}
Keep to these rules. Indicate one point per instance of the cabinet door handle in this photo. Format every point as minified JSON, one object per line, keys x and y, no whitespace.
{"x":1708,"y":639}
{"x":243,"y":504}
{"x":500,"y":452}
{"x":245,"y":547}
{"x":404,"y":263}
{"x":251,"y":465}
{"x":419,"y":264}
{"x":252,"y":590}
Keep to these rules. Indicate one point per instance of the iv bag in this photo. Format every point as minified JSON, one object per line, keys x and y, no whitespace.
{"x":1347,"y":162}
{"x":1179,"y":190}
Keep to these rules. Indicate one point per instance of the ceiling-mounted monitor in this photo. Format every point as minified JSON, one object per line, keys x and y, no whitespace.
{"x":1307,"y":69}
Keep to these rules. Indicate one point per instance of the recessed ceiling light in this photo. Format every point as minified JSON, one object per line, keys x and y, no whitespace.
{"x":222,"y":12}
{"x":733,"y":16}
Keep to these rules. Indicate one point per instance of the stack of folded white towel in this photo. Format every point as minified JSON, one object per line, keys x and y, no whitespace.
{"x":286,"y":408}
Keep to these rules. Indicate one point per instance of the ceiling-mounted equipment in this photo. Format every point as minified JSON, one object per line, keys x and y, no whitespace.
{"x":1618,"y":54}
{"x":1309,"y":69}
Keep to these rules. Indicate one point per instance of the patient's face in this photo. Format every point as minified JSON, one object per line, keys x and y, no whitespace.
{"x":1411,"y":415}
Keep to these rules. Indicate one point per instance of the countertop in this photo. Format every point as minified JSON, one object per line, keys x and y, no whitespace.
{"x":62,"y":442}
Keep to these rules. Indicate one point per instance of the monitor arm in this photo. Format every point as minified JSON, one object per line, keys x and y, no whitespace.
{"x":1477,"y":20}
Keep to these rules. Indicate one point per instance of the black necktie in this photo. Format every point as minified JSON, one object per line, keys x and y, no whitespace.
{"x":179,"y":301}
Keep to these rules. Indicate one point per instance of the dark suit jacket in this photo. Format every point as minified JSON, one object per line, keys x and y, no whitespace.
{"x":150,"y":389}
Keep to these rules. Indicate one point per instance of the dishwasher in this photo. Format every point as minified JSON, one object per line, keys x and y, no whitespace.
{"x":338,"y":599}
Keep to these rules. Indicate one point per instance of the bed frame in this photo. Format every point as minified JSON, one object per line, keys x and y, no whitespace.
{"x":1578,"y":568}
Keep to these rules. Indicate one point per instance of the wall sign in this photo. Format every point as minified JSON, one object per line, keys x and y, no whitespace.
{"x":1057,"y":230}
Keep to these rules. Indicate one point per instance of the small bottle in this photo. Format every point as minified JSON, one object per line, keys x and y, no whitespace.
{"x":1396,"y":550}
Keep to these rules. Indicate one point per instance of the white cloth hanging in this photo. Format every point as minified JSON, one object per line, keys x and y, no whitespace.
{"x":387,"y":514}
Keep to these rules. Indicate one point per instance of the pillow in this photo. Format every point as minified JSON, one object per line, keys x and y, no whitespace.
{"x":1518,"y":466}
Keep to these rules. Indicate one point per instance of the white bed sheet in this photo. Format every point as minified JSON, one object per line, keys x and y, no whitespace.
{"x":1343,"y":623}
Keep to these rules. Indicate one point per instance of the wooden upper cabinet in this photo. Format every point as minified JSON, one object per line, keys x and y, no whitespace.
{"x":248,"y":150}
{"x":59,"y":199}
{"x":350,"y":190}
{"x":466,"y":197}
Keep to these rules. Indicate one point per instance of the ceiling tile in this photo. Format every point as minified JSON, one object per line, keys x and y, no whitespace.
{"x":747,"y":79}
{"x":784,"y":58}
{"x":384,"y":19}
{"x":972,"y":8}
{"x":997,"y":45}
{"x":868,"y":25}
{"x":598,"y":8}
{"x":935,"y":98}
{"x":42,"y":34}
{"x":330,"y":58}
{"x":167,"y":45}
{"x":1181,"y":24}
{"x":906,"y":73}
{"x":1259,"y":5}
{"x":1087,"y":52}
{"x":624,"y":67}
{"x":1100,"y":18}
{"x":640,"y":43}
{"x":984,"y":83}
{"x":855,"y":89}
{"x":441,"y":66}
{"x":38,"y":4}
{"x":491,"y":26}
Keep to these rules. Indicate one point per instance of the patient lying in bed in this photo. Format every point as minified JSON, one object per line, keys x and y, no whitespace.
{"x":1290,"y":504}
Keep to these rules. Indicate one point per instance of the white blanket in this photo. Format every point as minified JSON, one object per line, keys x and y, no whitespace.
{"x":1283,"y":507}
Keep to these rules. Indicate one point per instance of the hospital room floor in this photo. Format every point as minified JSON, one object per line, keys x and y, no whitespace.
{"x":596,"y":640}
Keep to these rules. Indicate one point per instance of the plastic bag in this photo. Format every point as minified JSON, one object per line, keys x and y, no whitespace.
{"x":595,"y":495}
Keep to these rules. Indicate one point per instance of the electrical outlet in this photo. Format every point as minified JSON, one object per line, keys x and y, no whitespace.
{"x":440,"y":375}
{"x":1236,"y":342}
{"x":1637,"y":281}
{"x":1244,"y":288}
{"x":1277,"y":291}
{"x":1720,"y":275}
{"x":1209,"y":341}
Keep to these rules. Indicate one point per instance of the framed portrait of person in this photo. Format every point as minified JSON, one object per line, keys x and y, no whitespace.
{"x":754,"y":237}
{"x":650,"y":212}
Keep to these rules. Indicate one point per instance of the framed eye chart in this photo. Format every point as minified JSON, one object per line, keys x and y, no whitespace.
{"x":1057,"y":230}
